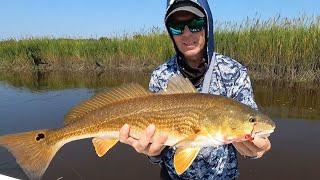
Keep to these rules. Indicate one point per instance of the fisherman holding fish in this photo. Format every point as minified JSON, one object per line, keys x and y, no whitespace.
{"x":192,"y":135}
{"x":190,"y":26}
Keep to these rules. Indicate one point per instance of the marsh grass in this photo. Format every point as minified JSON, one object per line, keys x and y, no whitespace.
{"x":129,"y":51}
{"x":279,"y":48}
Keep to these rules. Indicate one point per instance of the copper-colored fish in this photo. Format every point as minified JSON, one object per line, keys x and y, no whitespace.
{"x":190,"y":120}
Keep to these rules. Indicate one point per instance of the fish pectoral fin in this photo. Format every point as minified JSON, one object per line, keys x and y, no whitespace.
{"x":102,"y":146}
{"x":196,"y":137}
{"x":185,"y":142}
{"x":184,"y":157}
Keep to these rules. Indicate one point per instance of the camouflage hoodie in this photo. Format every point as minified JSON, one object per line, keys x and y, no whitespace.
{"x":224,"y":76}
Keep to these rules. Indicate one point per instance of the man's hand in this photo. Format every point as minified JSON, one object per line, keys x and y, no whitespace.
{"x":143,"y":145}
{"x":255,"y":148}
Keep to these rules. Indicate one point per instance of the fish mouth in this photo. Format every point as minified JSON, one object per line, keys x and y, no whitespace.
{"x":262,"y":130}
{"x":262,"y":134}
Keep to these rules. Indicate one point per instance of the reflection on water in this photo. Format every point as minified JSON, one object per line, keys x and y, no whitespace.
{"x":49,"y":81}
{"x":277,"y":99}
{"x":40,"y":100}
{"x":288,"y":101}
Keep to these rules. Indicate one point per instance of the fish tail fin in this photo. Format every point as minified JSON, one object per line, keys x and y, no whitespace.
{"x":32,"y":150}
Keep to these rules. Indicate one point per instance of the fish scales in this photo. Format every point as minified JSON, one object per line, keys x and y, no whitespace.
{"x":178,"y":119}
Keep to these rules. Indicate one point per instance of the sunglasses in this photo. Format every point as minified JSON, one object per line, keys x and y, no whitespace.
{"x":194,"y":25}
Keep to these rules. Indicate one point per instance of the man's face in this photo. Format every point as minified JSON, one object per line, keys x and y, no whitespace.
{"x":191,"y":45}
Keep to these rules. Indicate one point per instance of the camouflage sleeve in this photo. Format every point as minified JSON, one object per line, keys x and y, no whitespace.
{"x":242,"y":90}
{"x":159,"y":79}
{"x":154,"y":84}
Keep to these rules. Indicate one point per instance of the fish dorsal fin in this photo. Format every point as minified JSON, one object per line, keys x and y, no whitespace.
{"x":117,"y":94}
{"x":178,"y":85}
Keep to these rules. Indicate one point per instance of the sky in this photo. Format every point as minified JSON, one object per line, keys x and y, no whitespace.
{"x":97,"y":18}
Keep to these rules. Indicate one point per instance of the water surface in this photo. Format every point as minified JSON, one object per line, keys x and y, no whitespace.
{"x":40,"y":100}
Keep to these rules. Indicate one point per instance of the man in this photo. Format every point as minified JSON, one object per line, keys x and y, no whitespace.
{"x":190,"y":27}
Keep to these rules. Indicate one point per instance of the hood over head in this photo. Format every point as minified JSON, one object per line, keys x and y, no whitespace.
{"x":201,"y":9}
{"x":185,"y":6}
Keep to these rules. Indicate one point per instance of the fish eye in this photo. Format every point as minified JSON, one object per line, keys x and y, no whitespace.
{"x":252,"y":119}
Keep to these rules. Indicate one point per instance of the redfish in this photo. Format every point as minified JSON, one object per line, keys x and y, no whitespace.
{"x":191,"y":121}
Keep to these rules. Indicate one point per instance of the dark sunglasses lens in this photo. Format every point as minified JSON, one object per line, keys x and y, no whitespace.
{"x":174,"y":31}
{"x":196,"y":25}
{"x":176,"y":28}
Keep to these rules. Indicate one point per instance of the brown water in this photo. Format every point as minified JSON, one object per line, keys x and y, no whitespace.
{"x":40,"y":100}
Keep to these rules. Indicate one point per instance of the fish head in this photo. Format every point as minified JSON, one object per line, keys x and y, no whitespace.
{"x":236,"y":124}
{"x":246,"y":126}
{"x":263,"y":126}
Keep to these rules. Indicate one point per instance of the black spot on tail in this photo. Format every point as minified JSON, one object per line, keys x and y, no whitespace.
{"x":40,"y":136}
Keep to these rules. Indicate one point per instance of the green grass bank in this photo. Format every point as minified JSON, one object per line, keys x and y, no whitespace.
{"x":278,"y":48}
